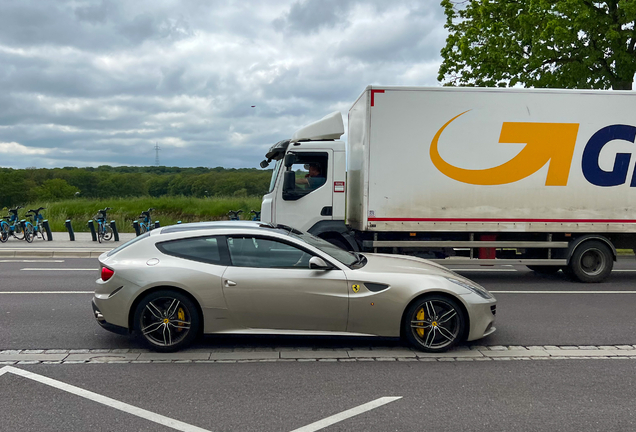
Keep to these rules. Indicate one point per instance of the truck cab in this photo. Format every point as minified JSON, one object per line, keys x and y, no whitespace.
{"x":307,"y":190}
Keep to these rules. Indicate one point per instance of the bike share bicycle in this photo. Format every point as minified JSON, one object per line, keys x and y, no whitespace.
{"x":36,"y":228}
{"x":234,"y":215}
{"x":104,"y":231}
{"x":145,"y":222}
{"x":11,"y":226}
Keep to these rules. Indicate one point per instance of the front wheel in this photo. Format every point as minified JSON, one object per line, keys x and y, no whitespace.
{"x":142,"y":229}
{"x":166,"y":321}
{"x":107,"y":233}
{"x":4,"y":233}
{"x":434,"y":323}
{"x":28,"y":233}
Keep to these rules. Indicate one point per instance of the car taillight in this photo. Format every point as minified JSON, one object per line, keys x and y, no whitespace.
{"x":107,"y":273}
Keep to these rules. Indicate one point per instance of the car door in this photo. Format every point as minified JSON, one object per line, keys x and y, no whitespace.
{"x":269,"y":285}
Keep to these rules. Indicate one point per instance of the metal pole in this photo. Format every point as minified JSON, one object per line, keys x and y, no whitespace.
{"x":69,"y":228}
{"x":113,"y":225}
{"x":91,"y":226}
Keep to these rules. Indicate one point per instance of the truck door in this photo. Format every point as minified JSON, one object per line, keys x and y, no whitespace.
{"x":312,"y":199}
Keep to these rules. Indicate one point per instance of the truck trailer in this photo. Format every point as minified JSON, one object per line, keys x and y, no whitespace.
{"x":537,"y":177}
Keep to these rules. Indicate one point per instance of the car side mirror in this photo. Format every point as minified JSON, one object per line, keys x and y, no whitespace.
{"x":317,"y":263}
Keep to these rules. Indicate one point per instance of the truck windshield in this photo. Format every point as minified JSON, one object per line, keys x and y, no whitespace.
{"x":347,"y":258}
{"x":272,"y":183}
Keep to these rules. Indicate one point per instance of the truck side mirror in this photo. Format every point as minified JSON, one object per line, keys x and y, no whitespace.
{"x":290,"y":159}
{"x":289,"y":181}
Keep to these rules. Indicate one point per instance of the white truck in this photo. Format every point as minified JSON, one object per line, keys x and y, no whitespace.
{"x":542,"y":178}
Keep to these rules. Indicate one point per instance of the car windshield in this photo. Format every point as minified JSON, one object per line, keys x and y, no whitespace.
{"x":350,"y":259}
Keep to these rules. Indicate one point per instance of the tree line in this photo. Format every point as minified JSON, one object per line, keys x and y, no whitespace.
{"x":19,"y":186}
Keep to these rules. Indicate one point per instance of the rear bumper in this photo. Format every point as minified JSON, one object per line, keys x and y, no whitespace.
{"x":106,"y":325}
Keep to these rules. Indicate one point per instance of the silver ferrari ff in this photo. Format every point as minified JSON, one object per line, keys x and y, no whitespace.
{"x":171,"y":284}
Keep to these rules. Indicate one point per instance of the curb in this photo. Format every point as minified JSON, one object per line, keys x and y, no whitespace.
{"x":493,"y":353}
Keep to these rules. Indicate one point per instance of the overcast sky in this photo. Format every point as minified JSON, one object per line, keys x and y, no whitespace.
{"x":89,"y":83}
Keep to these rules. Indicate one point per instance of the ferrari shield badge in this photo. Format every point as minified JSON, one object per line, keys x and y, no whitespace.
{"x":355,"y":288}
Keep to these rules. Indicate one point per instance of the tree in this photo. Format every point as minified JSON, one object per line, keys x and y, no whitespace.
{"x":54,"y":190}
{"x":540,"y":43}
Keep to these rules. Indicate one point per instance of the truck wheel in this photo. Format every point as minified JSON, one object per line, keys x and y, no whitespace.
{"x":591,"y":262}
{"x":544,"y":269}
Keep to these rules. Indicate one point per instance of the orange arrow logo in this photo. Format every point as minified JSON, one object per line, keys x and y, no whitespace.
{"x":545,"y":142}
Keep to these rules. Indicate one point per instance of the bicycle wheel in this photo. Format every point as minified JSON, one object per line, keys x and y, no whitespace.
{"x":42,"y":232}
{"x":18,"y":232}
{"x":100,"y":233}
{"x":28,"y":233}
{"x":108,"y":232}
{"x":142,"y":228}
{"x":4,"y":232}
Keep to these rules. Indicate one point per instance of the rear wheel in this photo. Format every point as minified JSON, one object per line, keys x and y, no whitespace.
{"x":4,"y":233}
{"x":18,"y":232}
{"x":434,"y":323}
{"x":591,"y":262}
{"x":142,"y":229}
{"x":166,"y":321}
{"x":43,"y":233}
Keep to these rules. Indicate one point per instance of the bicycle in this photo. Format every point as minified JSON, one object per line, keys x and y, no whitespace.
{"x":145,"y":224}
{"x":234,"y":215}
{"x":104,"y":231}
{"x":35,"y":228}
{"x":257,"y":215}
{"x":11,"y":226}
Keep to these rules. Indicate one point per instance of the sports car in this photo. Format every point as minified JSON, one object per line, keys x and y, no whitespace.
{"x":171,"y":284}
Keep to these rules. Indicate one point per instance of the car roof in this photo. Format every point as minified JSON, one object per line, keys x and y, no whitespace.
{"x":228,"y":225}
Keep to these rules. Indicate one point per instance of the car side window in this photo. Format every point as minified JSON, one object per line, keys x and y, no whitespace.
{"x":258,"y":252}
{"x":202,"y":249}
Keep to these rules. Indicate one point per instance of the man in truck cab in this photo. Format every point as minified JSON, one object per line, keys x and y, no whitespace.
{"x":314,"y":179}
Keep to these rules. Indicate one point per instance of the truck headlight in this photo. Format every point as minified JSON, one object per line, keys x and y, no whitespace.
{"x":477,"y":289}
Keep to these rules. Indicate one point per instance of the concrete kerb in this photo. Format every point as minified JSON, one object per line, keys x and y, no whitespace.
{"x":356,"y":355}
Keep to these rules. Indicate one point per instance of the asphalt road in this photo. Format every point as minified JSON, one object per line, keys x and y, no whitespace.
{"x":532,"y":310}
{"x":529,"y":395}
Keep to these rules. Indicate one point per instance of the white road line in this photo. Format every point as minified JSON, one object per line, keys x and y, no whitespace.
{"x":563,"y":292}
{"x":130,"y":409}
{"x":31,"y":261}
{"x":483,"y":270}
{"x":346,"y":414}
{"x":46,"y":292}
{"x":58,"y":269}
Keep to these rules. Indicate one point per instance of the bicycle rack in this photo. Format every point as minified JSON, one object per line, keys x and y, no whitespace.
{"x":136,"y":227}
{"x":157,"y":224}
{"x":47,"y":228}
{"x":91,"y":226}
{"x":69,"y":227}
{"x":113,"y":225}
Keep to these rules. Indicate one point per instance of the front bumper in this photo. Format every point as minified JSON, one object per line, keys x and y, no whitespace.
{"x":106,"y":325}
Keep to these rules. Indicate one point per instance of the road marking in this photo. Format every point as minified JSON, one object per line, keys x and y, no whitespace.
{"x":46,"y":292}
{"x":31,"y":261}
{"x":563,"y":292}
{"x":624,"y":270}
{"x":483,"y":270}
{"x":58,"y":269}
{"x":346,"y":414}
{"x":121,"y":406}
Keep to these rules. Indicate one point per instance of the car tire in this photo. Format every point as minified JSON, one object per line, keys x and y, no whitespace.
{"x":591,"y":262}
{"x":439,"y":333}
{"x":166,"y":321}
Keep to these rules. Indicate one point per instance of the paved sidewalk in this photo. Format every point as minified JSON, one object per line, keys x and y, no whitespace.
{"x":61,"y":246}
{"x":238,"y":355}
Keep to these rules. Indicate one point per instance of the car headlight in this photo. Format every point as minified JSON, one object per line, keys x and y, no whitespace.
{"x":480,"y":291}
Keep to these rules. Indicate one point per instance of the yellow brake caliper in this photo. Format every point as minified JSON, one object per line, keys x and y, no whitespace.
{"x":181,"y":317}
{"x":420,"y":317}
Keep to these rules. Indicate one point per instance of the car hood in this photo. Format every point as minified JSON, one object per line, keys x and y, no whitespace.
{"x":385,"y":263}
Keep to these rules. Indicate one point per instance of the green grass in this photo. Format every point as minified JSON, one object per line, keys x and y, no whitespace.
{"x":168,"y":210}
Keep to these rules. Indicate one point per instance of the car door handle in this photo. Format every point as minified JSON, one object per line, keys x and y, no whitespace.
{"x":229,"y":283}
